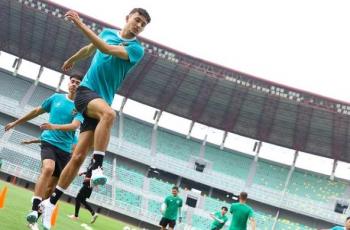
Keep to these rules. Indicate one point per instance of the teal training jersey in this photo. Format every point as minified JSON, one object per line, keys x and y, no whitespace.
{"x":62,"y":111}
{"x":216,"y":224}
{"x":107,"y":72}
{"x":338,"y":228}
{"x":240,"y":215}
{"x":173,"y":203}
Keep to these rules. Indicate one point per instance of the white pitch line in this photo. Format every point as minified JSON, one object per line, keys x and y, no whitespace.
{"x":86,"y":227}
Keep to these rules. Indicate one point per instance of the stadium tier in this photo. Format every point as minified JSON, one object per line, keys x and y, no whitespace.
{"x":13,"y":87}
{"x":39,"y":95}
{"x":130,"y":177}
{"x":176,"y":146}
{"x":137,"y":132}
{"x":232,"y":163}
{"x":271,"y":175}
{"x":160,"y":187}
{"x":316,"y":187}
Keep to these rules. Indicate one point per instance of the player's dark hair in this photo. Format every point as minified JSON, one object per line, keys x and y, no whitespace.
{"x":347,"y":218}
{"x":142,"y":12}
{"x":224,"y":208}
{"x":176,"y":188}
{"x":77,"y":76}
{"x":243,"y":196}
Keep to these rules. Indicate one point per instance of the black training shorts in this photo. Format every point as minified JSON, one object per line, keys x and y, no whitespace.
{"x":60,"y":157}
{"x":165,"y":221}
{"x":82,"y":98}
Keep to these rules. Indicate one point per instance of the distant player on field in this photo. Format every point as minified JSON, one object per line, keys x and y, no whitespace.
{"x":241,"y":213}
{"x":171,"y":210}
{"x":220,"y":219}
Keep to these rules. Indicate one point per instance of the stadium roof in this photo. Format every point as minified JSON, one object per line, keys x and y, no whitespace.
{"x":189,"y":87}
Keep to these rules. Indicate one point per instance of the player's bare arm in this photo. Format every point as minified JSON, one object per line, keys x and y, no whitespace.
{"x":252,"y":223}
{"x":34,"y":141}
{"x":101,"y":45}
{"x":32,"y":114}
{"x":81,"y":54}
{"x":67,"y":127}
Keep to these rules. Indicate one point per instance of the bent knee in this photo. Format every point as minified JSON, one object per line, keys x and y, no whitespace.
{"x":109,"y":115}
{"x":48,"y":170}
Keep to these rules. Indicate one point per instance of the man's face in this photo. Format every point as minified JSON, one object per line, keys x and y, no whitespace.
{"x":223,"y":212}
{"x":174,"y":192}
{"x":347,"y":224}
{"x":135,"y":23}
{"x":73,"y":85}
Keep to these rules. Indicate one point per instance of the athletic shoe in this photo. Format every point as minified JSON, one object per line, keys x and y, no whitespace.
{"x":73,"y":217}
{"x":33,"y":226}
{"x":93,"y":218}
{"x":32,"y":217}
{"x":47,"y":209}
{"x":97,"y":177}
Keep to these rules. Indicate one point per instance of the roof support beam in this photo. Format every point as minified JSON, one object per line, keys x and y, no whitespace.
{"x":16,"y":64}
{"x":302,"y":126}
{"x":39,"y":75}
{"x":223,"y":140}
{"x":26,"y":28}
{"x":60,"y":83}
{"x":190,"y":130}
{"x":179,"y":73}
{"x":206,"y":89}
{"x":267,"y":117}
{"x":139,"y":73}
{"x":339,"y":135}
{"x":232,"y":111}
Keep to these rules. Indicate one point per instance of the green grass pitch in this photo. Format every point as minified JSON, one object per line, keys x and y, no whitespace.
{"x":18,"y":204}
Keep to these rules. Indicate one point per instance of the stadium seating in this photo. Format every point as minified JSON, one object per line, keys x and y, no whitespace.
{"x":125,"y":197}
{"x":105,"y":190}
{"x":283,"y":224}
{"x":154,"y":206}
{"x":17,"y":137}
{"x":263,"y":221}
{"x":271,"y":175}
{"x":130,"y":177}
{"x":212,"y":204}
{"x":176,"y":146}
{"x":159,"y":187}
{"x":228,"y":162}
{"x":2,"y":131}
{"x":137,"y":132}
{"x":39,"y":95}
{"x":315,"y":186}
{"x":200,"y":222}
{"x":14,"y":87}
{"x":20,"y":159}
{"x":107,"y":166}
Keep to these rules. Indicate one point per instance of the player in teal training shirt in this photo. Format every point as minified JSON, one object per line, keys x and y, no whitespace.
{"x":56,"y":140}
{"x":116,"y":52}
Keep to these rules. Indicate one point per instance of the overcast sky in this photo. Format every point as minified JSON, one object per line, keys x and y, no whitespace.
{"x":299,"y":43}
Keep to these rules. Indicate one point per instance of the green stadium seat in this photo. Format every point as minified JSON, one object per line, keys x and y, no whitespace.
{"x":176,"y":146}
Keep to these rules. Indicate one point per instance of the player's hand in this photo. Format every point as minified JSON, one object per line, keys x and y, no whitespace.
{"x":67,"y":65}
{"x":25,"y":142}
{"x":9,"y":126}
{"x":73,"y":16}
{"x":180,"y":219}
{"x":47,"y":126}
